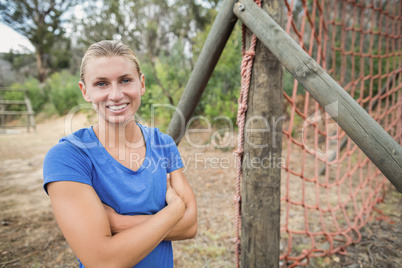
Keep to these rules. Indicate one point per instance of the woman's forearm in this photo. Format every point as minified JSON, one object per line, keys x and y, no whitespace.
{"x":148,"y":234}
{"x":119,"y":223}
{"x":186,"y":228}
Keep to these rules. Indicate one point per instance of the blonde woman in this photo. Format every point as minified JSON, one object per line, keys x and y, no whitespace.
{"x":117,"y":188}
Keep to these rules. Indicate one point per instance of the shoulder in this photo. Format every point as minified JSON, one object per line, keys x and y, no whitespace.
{"x":72,"y":147}
{"x":64,"y":149}
{"x":163,"y":145}
{"x":63,"y":157}
{"x":84,"y":138}
{"x":66,"y":161}
{"x":157,"y":138}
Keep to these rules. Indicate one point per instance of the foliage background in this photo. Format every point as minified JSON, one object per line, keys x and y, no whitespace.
{"x":167,"y":37}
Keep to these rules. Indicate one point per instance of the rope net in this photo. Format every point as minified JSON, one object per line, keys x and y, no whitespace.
{"x":329,"y":187}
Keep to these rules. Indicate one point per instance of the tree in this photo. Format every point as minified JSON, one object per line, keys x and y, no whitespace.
{"x":41,"y":22}
{"x":21,"y":63}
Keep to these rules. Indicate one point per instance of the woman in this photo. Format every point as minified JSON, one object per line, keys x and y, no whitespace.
{"x":117,"y":189}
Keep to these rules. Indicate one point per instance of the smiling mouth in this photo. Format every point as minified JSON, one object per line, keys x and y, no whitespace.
{"x":117,"y":107}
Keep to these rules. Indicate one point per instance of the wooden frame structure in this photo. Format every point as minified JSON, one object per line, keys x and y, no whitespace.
{"x":369,"y":136}
{"x":30,"y":120}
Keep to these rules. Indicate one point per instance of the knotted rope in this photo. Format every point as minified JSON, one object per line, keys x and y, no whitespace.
{"x":246,"y":68}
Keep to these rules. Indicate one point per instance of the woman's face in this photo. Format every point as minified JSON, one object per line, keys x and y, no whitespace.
{"x":114,"y":87}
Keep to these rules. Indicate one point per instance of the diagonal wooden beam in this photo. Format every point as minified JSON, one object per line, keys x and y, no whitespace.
{"x":371,"y":138}
{"x":203,"y":69}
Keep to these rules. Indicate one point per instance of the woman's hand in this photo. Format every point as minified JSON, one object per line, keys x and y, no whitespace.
{"x":172,"y":198}
{"x":179,"y":189}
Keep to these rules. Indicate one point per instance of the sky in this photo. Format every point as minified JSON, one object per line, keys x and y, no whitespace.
{"x":10,"y":39}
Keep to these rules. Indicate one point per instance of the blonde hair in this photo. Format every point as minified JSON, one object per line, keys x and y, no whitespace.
{"x":108,"y":48}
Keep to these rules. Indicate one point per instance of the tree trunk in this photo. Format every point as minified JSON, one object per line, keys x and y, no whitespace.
{"x":39,"y":63}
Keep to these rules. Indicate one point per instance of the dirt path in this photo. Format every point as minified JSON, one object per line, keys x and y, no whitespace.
{"x":29,"y":236}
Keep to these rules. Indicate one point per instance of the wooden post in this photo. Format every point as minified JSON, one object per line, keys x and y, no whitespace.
{"x":260,"y":187}
{"x":205,"y":65}
{"x":371,"y":138}
{"x":30,"y":112}
{"x":2,"y":109}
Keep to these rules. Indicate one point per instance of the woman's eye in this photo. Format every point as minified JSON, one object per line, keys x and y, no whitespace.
{"x":125,"y":81}
{"x":101,"y":84}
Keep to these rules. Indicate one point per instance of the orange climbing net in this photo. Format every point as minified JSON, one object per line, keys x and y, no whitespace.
{"x":329,"y":187}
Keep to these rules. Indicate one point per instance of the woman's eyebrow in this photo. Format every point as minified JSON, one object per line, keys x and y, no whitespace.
{"x":107,"y":79}
{"x":124,"y":75}
{"x":101,"y":78}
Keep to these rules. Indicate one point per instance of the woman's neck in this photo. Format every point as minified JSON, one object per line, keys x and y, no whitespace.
{"x":115,"y":136}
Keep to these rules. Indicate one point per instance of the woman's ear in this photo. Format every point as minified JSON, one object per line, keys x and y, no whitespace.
{"x":84,"y":92}
{"x":142,"y":77}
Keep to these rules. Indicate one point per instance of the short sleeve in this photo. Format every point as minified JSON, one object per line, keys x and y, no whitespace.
{"x":66,"y":162}
{"x":175,"y":161}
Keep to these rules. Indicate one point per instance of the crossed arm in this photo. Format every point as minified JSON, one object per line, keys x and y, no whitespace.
{"x":84,"y":223}
{"x":186,"y":228}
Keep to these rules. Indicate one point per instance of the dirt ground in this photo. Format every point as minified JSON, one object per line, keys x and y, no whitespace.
{"x":30,"y":237}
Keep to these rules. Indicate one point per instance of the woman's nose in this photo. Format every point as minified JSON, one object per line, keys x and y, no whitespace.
{"x":116,"y":93}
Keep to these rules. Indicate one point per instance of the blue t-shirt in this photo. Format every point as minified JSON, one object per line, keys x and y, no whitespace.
{"x":80,"y":157}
